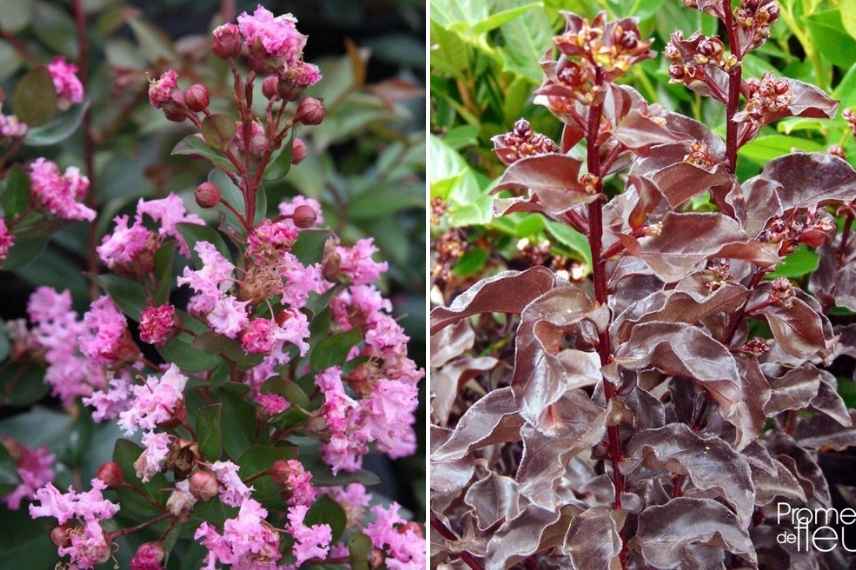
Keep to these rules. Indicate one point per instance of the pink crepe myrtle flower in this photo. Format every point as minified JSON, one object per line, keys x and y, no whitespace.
{"x":60,"y":193}
{"x":160,"y":89}
{"x":403,"y":545}
{"x":106,"y":339}
{"x":57,"y":332}
{"x":125,"y":244}
{"x":108,"y":403}
{"x":300,"y":281}
{"x":85,"y":505}
{"x":270,"y":238}
{"x":357,"y":264}
{"x":293,"y":329}
{"x":12,"y":127}
{"x":388,"y":416}
{"x":233,"y":491}
{"x":35,"y":470}
{"x":272,"y":404}
{"x":210,"y":282}
{"x":247,"y":540}
{"x":229,"y":316}
{"x":87,"y":547}
{"x":303,"y":74}
{"x":257,"y":337}
{"x":7,"y":240}
{"x":298,"y":482}
{"x":181,"y":500}
{"x":169,"y":212}
{"x":68,"y":87}
{"x":309,"y":541}
{"x":276,"y":36}
{"x":348,"y":442}
{"x":157,"y":324}
{"x":152,"y":459}
{"x":154,"y":402}
{"x":149,"y":556}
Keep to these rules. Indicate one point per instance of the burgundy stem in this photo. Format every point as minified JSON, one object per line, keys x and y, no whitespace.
{"x":595,"y":238}
{"x":734,"y":81}
{"x":468,"y":558}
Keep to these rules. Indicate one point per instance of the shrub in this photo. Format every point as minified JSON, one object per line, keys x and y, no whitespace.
{"x":254,"y":405}
{"x":664,"y":412}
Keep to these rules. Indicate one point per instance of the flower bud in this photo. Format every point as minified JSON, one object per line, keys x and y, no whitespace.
{"x":175,"y":109}
{"x":227,"y":41}
{"x":203,"y":485}
{"x":376,"y":558}
{"x":111,"y":474}
{"x":149,"y":556}
{"x":196,"y":97}
{"x":310,"y":111}
{"x":298,"y":151}
{"x":279,"y":471}
{"x":59,"y":536}
{"x":207,"y":195}
{"x":304,"y":217}
{"x":270,"y":87}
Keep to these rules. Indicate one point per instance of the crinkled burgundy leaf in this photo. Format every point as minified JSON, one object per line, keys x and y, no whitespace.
{"x":543,"y":370}
{"x":803,"y":465}
{"x":808,"y":386}
{"x":688,"y":240}
{"x":649,"y":127}
{"x":770,"y":477}
{"x":593,"y":539}
{"x":797,"y":180}
{"x":679,"y":307}
{"x":506,"y":292}
{"x":492,"y":419}
{"x":798,"y":329}
{"x":471,"y":539}
{"x":667,"y":531}
{"x":448,"y":479}
{"x":571,"y":425}
{"x":631,"y":287}
{"x":451,"y":342}
{"x":533,"y":530}
{"x":824,"y":433}
{"x":688,"y":352}
{"x":553,"y":178}
{"x":834,"y":281}
{"x":712,"y":465}
{"x":446,"y":381}
{"x":493,"y":499}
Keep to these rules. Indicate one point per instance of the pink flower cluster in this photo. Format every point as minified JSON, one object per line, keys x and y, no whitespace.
{"x":154,"y":402}
{"x":310,"y":541}
{"x":35,"y":470}
{"x":151,"y":461}
{"x":84,"y":543}
{"x":157,"y":324}
{"x":68,"y":87}
{"x":11,"y":127}
{"x":131,"y":248}
{"x":356,"y":262}
{"x":7,"y":240}
{"x":160,"y":89}
{"x":247,"y":541}
{"x":60,"y":193}
{"x":277,"y":36}
{"x":107,"y":340}
{"x":401,"y":542}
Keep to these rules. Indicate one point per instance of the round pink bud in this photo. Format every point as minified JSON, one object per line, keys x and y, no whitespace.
{"x":304,"y":217}
{"x":298,"y":151}
{"x":149,"y":556}
{"x":204,"y":485}
{"x":270,"y":87}
{"x":280,"y":471}
{"x":196,"y":97}
{"x":175,"y":109}
{"x":227,"y":41}
{"x":310,"y":111}
{"x":111,"y":474}
{"x":59,"y":536}
{"x":207,"y":195}
{"x":258,"y":337}
{"x":157,"y":324}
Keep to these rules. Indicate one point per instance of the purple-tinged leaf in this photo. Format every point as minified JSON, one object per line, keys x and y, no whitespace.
{"x":824,"y":433}
{"x":446,"y":381}
{"x":493,"y":499}
{"x":451,"y":342}
{"x":667,"y":532}
{"x":593,"y":539}
{"x":506,"y":292}
{"x":533,"y":530}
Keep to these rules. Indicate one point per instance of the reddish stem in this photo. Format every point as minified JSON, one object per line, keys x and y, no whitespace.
{"x":468,"y":558}
{"x":595,"y":238}
{"x":139,"y":527}
{"x":734,"y":82}
{"x":845,"y":235}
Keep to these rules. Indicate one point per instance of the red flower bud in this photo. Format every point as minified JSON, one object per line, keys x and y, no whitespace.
{"x":280,"y":471}
{"x":298,"y":151}
{"x":304,"y":217}
{"x":310,"y":111}
{"x":111,"y":474}
{"x":196,"y":97}
{"x":203,"y":485}
{"x":149,"y":556}
{"x":59,"y":536}
{"x":270,"y":87}
{"x":227,"y":41}
{"x":207,"y":195}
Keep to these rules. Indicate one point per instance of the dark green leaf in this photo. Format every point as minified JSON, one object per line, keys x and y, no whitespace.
{"x":359,"y":548}
{"x":180,"y":351}
{"x":34,"y":99}
{"x":193,"y":233}
{"x":239,"y":420}
{"x":59,"y":129}
{"x":309,"y":247}
{"x":218,"y":130}
{"x":210,"y":432}
{"x":194,"y":145}
{"x":164,"y":259}
{"x":16,"y":192}
{"x":129,"y":296}
{"x":798,"y":264}
{"x":327,"y":511}
{"x":8,"y":472}
{"x":333,"y":350}
{"x":22,"y":383}
{"x":214,"y":343}
{"x":471,"y":263}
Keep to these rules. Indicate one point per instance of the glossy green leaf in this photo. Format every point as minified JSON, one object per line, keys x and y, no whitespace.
{"x":193,"y":233}
{"x":309,"y":247}
{"x":218,"y":130}
{"x":239,"y":420}
{"x":180,"y":351}
{"x":768,"y":147}
{"x":129,"y":296}
{"x":16,"y":192}
{"x":359,"y":549}
{"x":333,"y":350}
{"x":209,"y":429}
{"x":34,"y":99}
{"x":58,"y":129}
{"x":799,"y":263}
{"x":831,"y":39}
{"x":195,"y":145}
{"x":327,"y":511}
